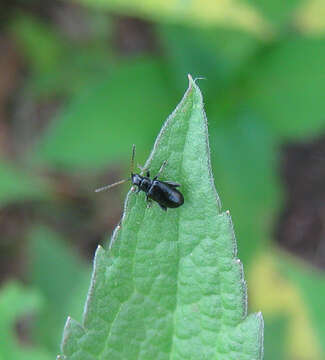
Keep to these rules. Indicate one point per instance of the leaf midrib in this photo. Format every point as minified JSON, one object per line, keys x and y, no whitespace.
{"x":171,"y":353}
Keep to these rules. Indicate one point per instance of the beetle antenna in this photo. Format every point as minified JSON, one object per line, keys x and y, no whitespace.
{"x":199,"y":78}
{"x":111,"y":185}
{"x":107,"y":187}
{"x":161,"y":169}
{"x":132,"y":158}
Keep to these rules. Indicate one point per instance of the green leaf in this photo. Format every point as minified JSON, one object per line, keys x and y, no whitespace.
{"x":98,"y":127}
{"x":58,"y":66}
{"x":170,"y":285}
{"x":257,"y":194}
{"x":217,"y":53}
{"x":310,"y":17}
{"x":15,"y":301}
{"x":311,"y":284}
{"x":282,"y":289}
{"x":275,"y":341}
{"x":18,"y":185}
{"x":233,"y":14}
{"x":55,"y":270}
{"x":287,"y":87}
{"x":276,"y":11}
{"x":42,"y":47}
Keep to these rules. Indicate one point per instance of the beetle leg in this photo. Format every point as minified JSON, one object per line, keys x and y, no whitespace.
{"x":163,"y":207}
{"x":149,"y":203}
{"x":160,"y":170}
{"x":144,"y":170}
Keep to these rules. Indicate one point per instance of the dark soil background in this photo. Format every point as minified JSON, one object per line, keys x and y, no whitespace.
{"x":301,"y":226}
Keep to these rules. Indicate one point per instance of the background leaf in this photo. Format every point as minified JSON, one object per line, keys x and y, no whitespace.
{"x":215,"y":54}
{"x":55,"y":270}
{"x":16,"y":301}
{"x":235,"y":14}
{"x":310,"y":17}
{"x":287,"y":86}
{"x":18,"y":185}
{"x":244,"y":160}
{"x":278,"y":12}
{"x":281,"y":298}
{"x":310,"y":284}
{"x":58,"y":65}
{"x":102,"y":124}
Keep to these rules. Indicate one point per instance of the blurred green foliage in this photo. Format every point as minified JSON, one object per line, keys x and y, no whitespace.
{"x":57,"y":65}
{"x":286,"y":87}
{"x":50,"y":260}
{"x":311,"y":285}
{"x":105,"y":127}
{"x":16,"y":301}
{"x":19,"y":185}
{"x":287,"y":291}
{"x":275,"y":329}
{"x":264,"y":85}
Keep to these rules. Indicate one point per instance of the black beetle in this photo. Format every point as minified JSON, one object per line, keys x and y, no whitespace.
{"x":165,"y":193}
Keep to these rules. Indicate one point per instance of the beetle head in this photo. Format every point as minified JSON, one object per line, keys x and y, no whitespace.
{"x":136,"y":179}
